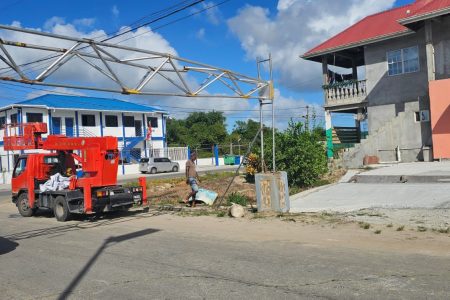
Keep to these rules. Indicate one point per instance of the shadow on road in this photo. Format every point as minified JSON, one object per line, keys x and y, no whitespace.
{"x":7,"y":246}
{"x":86,"y":223}
{"x":108,"y":242}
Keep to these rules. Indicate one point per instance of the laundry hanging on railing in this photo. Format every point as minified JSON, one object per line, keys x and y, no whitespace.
{"x":334,"y":77}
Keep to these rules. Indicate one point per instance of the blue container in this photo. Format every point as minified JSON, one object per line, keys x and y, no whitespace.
{"x":237,"y":160}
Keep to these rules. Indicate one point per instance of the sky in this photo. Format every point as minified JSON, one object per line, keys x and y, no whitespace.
{"x":231,"y":34}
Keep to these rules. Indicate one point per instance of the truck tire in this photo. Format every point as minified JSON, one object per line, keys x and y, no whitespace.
{"x":23,"y":206}
{"x":153,"y":171}
{"x":175,"y":169}
{"x":61,"y":209}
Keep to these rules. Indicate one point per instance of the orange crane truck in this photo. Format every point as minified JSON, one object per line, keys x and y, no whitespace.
{"x":90,"y":162}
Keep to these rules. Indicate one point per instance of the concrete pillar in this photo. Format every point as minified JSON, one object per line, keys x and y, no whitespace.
{"x":358,"y":123}
{"x":329,"y":134}
{"x":354,"y":70}
{"x":325,"y":77}
{"x":431,"y":70}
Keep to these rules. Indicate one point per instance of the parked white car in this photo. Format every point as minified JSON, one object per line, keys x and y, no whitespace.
{"x":158,"y":164}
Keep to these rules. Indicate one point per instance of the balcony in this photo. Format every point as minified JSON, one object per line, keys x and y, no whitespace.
{"x":345,"y":92}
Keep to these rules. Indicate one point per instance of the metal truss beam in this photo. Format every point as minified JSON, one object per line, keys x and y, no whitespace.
{"x":181,"y":74}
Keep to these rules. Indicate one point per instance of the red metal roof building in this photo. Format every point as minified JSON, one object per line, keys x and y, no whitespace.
{"x":381,"y":26}
{"x":401,"y":50}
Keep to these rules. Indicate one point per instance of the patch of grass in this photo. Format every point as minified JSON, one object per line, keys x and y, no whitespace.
{"x":378,"y":231}
{"x":131,"y":184}
{"x":401,"y":228}
{"x":221,"y":214}
{"x":443,"y":230}
{"x":389,"y":225}
{"x":197,"y":213}
{"x":364,"y":225}
{"x":221,"y":175}
{"x":238,"y":199}
{"x":422,"y":228}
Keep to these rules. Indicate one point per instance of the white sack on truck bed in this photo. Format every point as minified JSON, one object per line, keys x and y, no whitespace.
{"x":56,"y":182}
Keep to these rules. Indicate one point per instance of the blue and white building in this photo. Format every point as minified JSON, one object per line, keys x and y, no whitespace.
{"x":81,"y":116}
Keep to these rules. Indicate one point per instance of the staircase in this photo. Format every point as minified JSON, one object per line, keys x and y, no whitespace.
{"x":400,"y":132}
{"x":127,"y":152}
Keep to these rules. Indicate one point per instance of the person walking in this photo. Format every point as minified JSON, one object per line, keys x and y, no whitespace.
{"x":192,"y":178}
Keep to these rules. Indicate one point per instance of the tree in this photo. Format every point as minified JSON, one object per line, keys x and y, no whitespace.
{"x":199,"y":129}
{"x":299,"y":152}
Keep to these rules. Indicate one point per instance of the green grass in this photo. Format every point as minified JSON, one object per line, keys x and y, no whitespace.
{"x":401,"y":228}
{"x":364,"y":225}
{"x":238,"y":199}
{"x":421,"y":228}
{"x":221,"y":214}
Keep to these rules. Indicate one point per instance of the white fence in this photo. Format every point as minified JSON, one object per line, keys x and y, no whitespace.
{"x":173,"y":153}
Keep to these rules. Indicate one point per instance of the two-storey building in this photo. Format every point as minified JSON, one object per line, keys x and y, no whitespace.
{"x":80,"y":116}
{"x":398,"y":53}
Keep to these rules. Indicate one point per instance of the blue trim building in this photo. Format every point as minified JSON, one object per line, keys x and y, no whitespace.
{"x":91,"y":116}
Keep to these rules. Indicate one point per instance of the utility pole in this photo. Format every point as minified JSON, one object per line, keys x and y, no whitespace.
{"x":307,"y":118}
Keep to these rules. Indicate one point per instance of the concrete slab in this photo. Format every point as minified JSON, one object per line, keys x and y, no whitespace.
{"x":420,"y":172}
{"x":345,"y":197}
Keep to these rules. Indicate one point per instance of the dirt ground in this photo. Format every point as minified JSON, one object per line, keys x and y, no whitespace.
{"x":173,"y":191}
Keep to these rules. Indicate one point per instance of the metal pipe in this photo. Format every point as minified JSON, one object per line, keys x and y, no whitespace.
{"x":57,"y":61}
{"x":273,"y":116}
{"x":146,"y":80}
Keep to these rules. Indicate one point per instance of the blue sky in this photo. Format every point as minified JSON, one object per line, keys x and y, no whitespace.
{"x":222,"y":37}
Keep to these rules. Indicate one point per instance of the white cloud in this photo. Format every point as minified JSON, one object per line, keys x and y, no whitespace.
{"x":86,"y":22}
{"x":200,"y":34}
{"x":296,"y":27}
{"x":57,"y":91}
{"x":115,"y":11}
{"x":212,"y":13}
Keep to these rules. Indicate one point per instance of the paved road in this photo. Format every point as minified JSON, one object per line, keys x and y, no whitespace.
{"x":146,"y":256}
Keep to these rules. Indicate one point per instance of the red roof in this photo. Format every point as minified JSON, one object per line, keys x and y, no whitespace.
{"x":379,"y":26}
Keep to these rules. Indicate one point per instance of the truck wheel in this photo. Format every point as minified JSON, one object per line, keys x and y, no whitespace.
{"x":153,"y":171}
{"x":61,"y":209}
{"x":175,"y":169}
{"x":24,"y":207}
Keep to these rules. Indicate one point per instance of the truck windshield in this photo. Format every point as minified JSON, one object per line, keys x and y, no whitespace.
{"x":20,"y":166}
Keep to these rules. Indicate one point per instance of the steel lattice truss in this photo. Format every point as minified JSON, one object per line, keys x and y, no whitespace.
{"x":105,"y":58}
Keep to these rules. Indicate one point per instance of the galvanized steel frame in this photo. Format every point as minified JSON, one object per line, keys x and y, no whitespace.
{"x":101,"y":59}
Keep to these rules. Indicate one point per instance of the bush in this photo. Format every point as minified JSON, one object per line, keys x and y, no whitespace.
{"x":252,"y":166}
{"x":301,"y":153}
{"x":237,"y":198}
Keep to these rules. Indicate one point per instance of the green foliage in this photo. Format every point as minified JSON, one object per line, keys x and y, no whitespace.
{"x":198,"y":130}
{"x":299,"y":152}
{"x":238,"y":199}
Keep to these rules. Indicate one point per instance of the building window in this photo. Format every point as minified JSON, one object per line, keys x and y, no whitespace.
{"x":88,"y":120}
{"x":153,"y":121}
{"x":128,"y":121}
{"x":34,"y":117}
{"x":111,"y":121}
{"x":2,"y":122}
{"x":403,"y":61}
{"x":13,"y":118}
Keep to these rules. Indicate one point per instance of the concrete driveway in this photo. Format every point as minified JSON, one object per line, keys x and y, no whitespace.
{"x":345,"y":197}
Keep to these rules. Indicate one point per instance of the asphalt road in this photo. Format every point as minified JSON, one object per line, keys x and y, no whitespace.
{"x":148,"y":256}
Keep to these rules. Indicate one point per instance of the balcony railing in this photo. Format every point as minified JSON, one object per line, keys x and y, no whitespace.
{"x":349,"y":91}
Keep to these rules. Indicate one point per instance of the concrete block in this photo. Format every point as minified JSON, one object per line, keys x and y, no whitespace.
{"x":272,"y":192}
